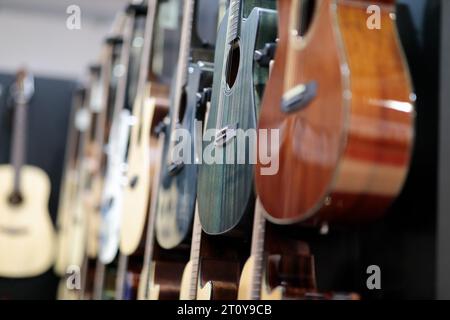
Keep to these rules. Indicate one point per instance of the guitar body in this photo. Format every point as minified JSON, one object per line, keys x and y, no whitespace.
{"x":137,"y":189}
{"x":27,"y":235}
{"x":345,"y":147}
{"x":245,"y":282}
{"x":112,"y":198}
{"x":178,"y":190}
{"x":186,"y":283}
{"x":225,"y":191}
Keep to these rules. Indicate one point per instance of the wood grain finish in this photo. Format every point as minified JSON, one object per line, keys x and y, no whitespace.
{"x":344,"y":156}
{"x":225,"y":191}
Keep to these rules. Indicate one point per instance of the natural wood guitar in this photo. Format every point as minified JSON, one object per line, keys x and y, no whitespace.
{"x":342,"y":103}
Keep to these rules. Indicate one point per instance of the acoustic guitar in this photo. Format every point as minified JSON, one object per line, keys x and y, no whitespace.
{"x":191,"y":91}
{"x":129,"y":48}
{"x":27,"y":235}
{"x":151,"y":285}
{"x":225,"y":188}
{"x":98,"y":133}
{"x":150,"y":106}
{"x":342,"y":104}
{"x":79,"y":237}
{"x":137,"y":174}
{"x":199,"y":93}
{"x":90,"y":151}
{"x":116,"y":148}
{"x":72,"y":232}
{"x":172,"y":207}
{"x":68,"y":194}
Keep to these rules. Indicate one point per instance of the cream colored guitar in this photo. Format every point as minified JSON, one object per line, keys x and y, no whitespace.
{"x":26,"y":231}
{"x":137,"y":184}
{"x":137,"y":187}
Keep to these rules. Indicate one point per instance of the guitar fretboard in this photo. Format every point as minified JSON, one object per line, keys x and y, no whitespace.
{"x":183,"y":60}
{"x":18,"y":142}
{"x":148,"y":40}
{"x":257,"y":251}
{"x":195,"y":255}
{"x":234,"y":20}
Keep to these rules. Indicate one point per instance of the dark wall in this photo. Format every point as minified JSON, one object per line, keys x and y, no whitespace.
{"x":48,"y":116}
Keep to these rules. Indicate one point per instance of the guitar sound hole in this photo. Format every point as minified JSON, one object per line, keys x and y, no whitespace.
{"x":15,"y":198}
{"x":306,"y":14}
{"x":182,"y":111}
{"x":234,"y":56}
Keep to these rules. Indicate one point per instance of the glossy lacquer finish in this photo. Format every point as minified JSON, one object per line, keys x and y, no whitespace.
{"x":343,"y":157}
{"x":225,"y":191}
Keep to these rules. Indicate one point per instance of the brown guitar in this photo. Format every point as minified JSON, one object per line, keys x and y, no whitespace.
{"x":340,"y":95}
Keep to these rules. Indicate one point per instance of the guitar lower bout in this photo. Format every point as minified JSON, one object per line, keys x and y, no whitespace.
{"x":27,"y":236}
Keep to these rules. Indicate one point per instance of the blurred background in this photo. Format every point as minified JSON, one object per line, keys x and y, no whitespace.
{"x":34,"y":33}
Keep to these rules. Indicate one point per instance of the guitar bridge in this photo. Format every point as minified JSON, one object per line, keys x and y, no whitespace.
{"x":224,"y":135}
{"x":299,"y":97}
{"x":13,"y":231}
{"x":175,"y":167}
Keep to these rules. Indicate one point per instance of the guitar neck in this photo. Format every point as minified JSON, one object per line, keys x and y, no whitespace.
{"x":183,"y":58}
{"x":148,"y":40}
{"x":234,"y":21}
{"x":195,"y":255}
{"x":257,"y":251}
{"x":18,"y":152}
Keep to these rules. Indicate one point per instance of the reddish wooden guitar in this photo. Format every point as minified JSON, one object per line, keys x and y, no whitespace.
{"x":340,"y":95}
